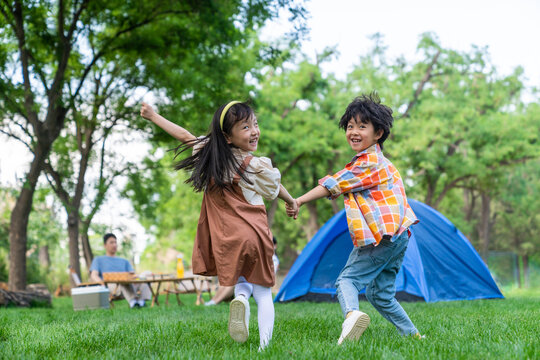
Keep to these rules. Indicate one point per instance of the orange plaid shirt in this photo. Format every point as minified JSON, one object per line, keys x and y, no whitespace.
{"x":375,"y":200}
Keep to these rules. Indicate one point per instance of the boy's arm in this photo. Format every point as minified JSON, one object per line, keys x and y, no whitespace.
{"x":317,"y":192}
{"x":171,"y":128}
{"x":360,"y":176}
{"x":314,"y":194}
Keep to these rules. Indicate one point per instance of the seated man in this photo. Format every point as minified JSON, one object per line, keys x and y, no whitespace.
{"x":112,"y":263}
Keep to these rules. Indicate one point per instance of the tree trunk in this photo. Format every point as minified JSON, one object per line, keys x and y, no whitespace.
{"x":44,"y":258}
{"x":72,"y":204}
{"x":420,"y":87}
{"x":19,"y":220}
{"x":25,"y":298}
{"x":87,"y":250}
{"x":518,"y":272}
{"x":335,"y":206}
{"x":73,"y":234}
{"x":430,"y":195}
{"x":525,"y":259}
{"x":484,"y":226}
{"x":469,"y":200}
{"x":311,"y":227}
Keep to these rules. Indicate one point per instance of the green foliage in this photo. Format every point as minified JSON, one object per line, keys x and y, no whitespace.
{"x":169,"y":209}
{"x":520,"y":210}
{"x":83,"y":60}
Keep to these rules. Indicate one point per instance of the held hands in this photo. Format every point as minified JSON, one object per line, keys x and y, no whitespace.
{"x":293,"y":209}
{"x":147,"y":111}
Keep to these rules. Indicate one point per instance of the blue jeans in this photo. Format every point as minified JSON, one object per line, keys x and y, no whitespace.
{"x":375,"y":267}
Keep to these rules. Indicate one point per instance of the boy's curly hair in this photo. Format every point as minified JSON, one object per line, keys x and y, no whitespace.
{"x":368,"y":109}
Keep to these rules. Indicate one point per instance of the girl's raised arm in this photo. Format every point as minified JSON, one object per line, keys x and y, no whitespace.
{"x":171,"y":128}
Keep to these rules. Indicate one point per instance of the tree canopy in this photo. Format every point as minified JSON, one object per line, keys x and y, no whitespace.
{"x":72,"y":75}
{"x":52,"y":52}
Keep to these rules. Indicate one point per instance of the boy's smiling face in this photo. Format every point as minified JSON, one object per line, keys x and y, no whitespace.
{"x":361,"y":135}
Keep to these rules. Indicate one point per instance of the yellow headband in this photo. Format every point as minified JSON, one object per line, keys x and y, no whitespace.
{"x":225,"y":109}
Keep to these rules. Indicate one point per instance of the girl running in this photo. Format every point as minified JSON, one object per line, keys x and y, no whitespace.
{"x":233,"y":238}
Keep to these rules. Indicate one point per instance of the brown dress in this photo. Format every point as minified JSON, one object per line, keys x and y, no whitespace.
{"x":233,"y":238}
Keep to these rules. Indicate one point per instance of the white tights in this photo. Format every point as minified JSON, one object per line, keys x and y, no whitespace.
{"x":265,"y":307}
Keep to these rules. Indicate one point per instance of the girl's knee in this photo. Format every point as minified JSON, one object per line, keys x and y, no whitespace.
{"x":378,"y":298}
{"x":263,"y":295}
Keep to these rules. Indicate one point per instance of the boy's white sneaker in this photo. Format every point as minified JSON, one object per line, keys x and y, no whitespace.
{"x":354,"y":326}
{"x":239,"y":319}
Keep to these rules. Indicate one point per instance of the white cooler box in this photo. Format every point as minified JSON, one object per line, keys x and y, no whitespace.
{"x":90,"y":297}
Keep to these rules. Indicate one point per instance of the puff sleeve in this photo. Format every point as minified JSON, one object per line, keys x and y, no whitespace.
{"x":266,"y":180}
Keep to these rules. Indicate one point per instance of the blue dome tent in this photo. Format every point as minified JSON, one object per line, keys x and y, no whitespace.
{"x":440,"y":264}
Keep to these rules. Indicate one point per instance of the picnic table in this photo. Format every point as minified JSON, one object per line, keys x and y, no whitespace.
{"x":174,"y":285}
{"x":167,"y":283}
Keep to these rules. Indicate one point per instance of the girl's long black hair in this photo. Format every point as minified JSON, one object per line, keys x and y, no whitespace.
{"x":214,"y":165}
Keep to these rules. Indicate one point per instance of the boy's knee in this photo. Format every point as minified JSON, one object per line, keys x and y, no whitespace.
{"x":375,"y":301}
{"x":378,"y":299}
{"x":372,"y":297}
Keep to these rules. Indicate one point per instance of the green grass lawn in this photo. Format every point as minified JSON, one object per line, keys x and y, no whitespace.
{"x":482,"y":329}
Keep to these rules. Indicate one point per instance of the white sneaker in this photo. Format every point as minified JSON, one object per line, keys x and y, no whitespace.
{"x":210,"y":303}
{"x":239,"y":319}
{"x":141,"y":302}
{"x":354,"y":326}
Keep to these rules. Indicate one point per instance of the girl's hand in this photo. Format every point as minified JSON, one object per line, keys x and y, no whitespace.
{"x":146,"y":111}
{"x":292,"y":209}
{"x":171,"y":128}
